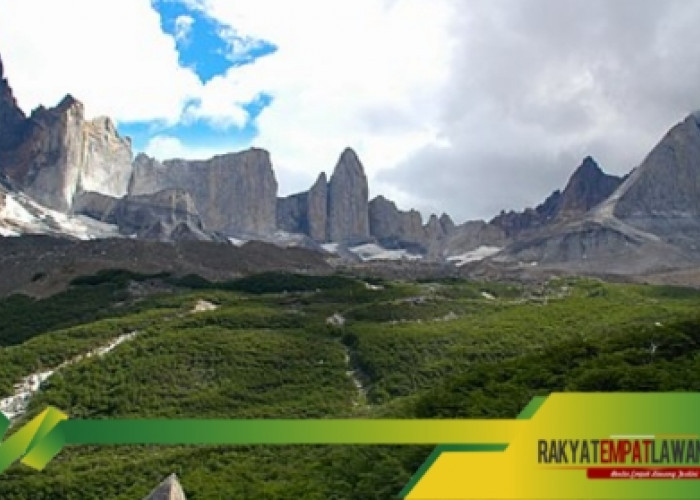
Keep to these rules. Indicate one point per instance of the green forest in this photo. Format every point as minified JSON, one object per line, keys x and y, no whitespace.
{"x":429,"y":349}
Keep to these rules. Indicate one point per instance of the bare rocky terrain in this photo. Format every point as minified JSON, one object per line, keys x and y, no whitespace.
{"x":43,"y":265}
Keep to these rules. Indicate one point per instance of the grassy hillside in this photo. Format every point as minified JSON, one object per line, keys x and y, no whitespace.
{"x":443,"y":349}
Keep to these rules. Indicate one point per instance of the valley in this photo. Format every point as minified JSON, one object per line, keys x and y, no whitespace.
{"x":264,"y":348}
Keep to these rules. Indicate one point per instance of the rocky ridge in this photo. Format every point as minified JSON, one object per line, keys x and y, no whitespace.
{"x":56,"y":153}
{"x":234,"y":193}
{"x":587,"y":187}
{"x":167,"y":215}
{"x":63,"y":174}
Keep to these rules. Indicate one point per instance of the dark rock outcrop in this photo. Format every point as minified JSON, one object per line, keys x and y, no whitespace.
{"x":12,"y":118}
{"x":348,"y":193}
{"x":95,"y":205}
{"x":587,"y":187}
{"x":234,"y":193}
{"x":168,"y":215}
{"x":63,"y":259}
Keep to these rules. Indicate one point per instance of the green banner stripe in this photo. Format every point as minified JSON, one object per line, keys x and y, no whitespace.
{"x":532,"y":407}
{"x":172,"y":432}
{"x":38,"y":441}
{"x":31,"y":435}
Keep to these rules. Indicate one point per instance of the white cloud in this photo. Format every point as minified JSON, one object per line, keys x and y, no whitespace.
{"x":364,"y":74}
{"x":163,"y":147}
{"x":361,"y":74}
{"x":111,"y":55}
{"x":461,"y":106}
{"x":183,"y":28}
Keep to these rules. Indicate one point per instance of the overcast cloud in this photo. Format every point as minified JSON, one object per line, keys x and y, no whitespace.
{"x":458,"y":106}
{"x":537,"y":85}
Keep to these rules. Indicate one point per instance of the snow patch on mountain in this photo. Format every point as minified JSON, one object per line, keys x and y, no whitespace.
{"x":22,"y":215}
{"x":372,"y":251}
{"x":473,"y":255}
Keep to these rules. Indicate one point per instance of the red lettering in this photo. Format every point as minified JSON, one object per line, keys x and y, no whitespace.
{"x":637,"y":452}
{"x":604,"y":451}
{"x":620,"y":454}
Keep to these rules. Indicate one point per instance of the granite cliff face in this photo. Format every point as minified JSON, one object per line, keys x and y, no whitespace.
{"x":336,"y":211}
{"x":307,"y":212}
{"x":662,"y":195}
{"x":56,"y":152}
{"x":234,"y":193}
{"x":348,"y":198}
{"x":393,"y":227}
{"x":317,"y":209}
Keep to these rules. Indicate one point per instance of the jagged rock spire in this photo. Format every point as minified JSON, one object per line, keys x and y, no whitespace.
{"x":169,"y":489}
{"x":587,"y":187}
{"x":348,"y":198}
{"x":12,"y":118}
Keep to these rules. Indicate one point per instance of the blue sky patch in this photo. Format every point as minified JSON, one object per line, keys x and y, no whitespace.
{"x":205,"y":45}
{"x":210,"y":48}
{"x":199,"y":134}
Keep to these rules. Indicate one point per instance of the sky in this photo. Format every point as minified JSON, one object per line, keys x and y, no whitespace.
{"x":459,"y":106}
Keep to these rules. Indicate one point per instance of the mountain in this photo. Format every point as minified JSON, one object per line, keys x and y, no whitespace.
{"x":348,"y":197}
{"x":56,"y":153}
{"x":61,"y":174}
{"x":587,"y":187}
{"x":649,"y":224}
{"x":662,"y":195}
{"x":333,"y":211}
{"x":234,"y":193}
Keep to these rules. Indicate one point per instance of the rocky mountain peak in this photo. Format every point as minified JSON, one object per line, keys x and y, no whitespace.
{"x":320,"y":181}
{"x":447,"y":222}
{"x":12,"y":118}
{"x":667,"y":183}
{"x":348,"y":164}
{"x":696,"y":116}
{"x":587,"y":187}
{"x":348,"y":197}
{"x":70,"y":102}
{"x":55,"y":153}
